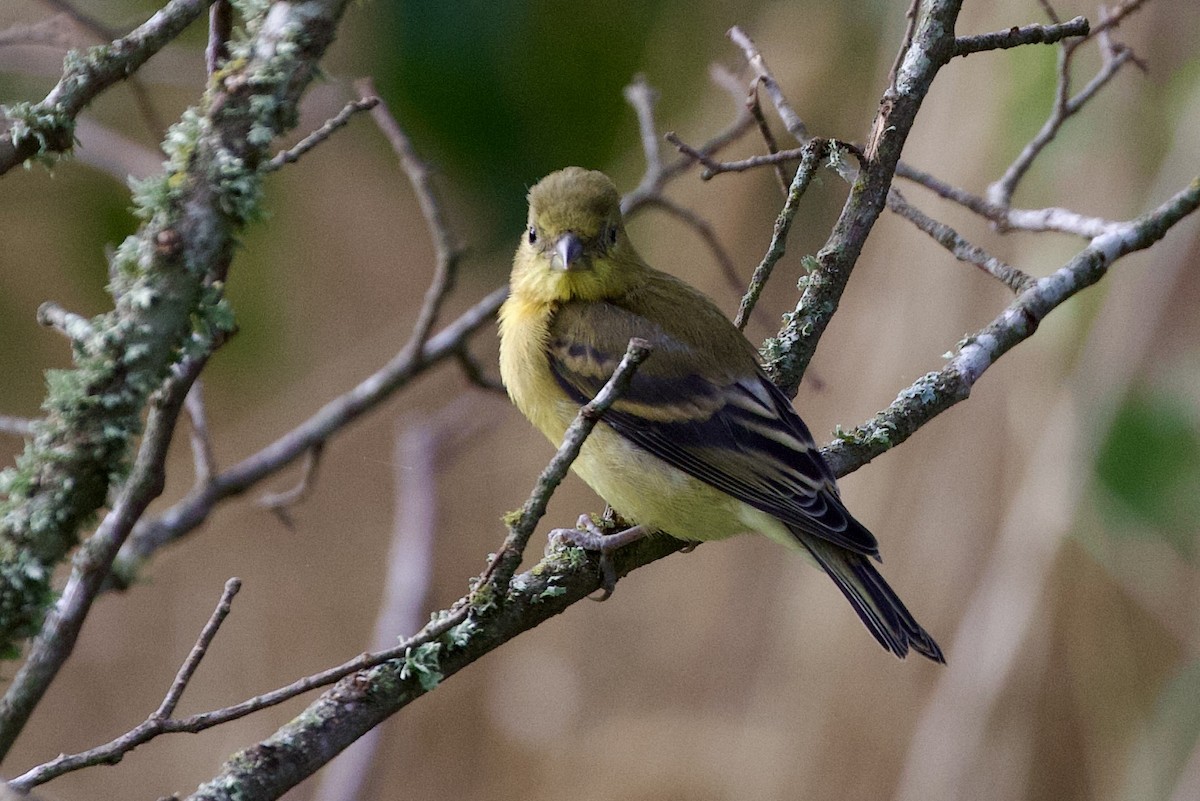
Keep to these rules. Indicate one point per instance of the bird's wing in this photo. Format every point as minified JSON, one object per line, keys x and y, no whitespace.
{"x":730,"y":428}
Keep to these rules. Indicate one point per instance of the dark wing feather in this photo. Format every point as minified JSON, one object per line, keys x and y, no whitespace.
{"x":734,"y":430}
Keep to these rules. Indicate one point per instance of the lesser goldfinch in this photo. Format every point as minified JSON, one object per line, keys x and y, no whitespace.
{"x":702,"y":445}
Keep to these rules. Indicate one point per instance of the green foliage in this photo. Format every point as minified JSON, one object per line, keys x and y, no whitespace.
{"x":1160,"y":755}
{"x":1149,"y":466}
{"x":511,"y":91}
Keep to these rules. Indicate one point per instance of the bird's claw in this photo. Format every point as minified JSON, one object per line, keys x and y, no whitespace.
{"x":588,"y":536}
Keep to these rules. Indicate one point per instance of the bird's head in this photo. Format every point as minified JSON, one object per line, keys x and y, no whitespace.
{"x":574,"y":245}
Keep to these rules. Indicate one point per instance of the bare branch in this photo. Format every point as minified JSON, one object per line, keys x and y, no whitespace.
{"x":1048,"y":219}
{"x":185,"y":515}
{"x":813,"y":153}
{"x":220,"y":28}
{"x":188,"y":669}
{"x":791,"y":120}
{"x":652,"y":184}
{"x":1000,"y":193}
{"x":475,"y":373}
{"x":791,"y":350}
{"x":293,"y":154}
{"x":17,"y":426}
{"x":713,"y":167}
{"x":280,"y":503}
{"x":951,"y":240}
{"x":642,"y":97}
{"x":934,"y":393}
{"x":706,"y":233}
{"x":448,"y":252}
{"x":47,"y":127}
{"x":1015,"y":37}
{"x":203,"y":461}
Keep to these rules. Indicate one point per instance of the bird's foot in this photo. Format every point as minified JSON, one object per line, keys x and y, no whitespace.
{"x":588,"y":536}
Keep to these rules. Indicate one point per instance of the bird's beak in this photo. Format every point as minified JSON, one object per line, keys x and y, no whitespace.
{"x":568,"y":252}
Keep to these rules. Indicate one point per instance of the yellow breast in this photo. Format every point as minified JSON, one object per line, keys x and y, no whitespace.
{"x":642,"y":487}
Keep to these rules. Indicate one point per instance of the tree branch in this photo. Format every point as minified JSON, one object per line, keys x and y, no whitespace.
{"x":58,"y":634}
{"x":190,"y":512}
{"x":935,"y":392}
{"x":813,"y":153}
{"x":1015,"y":37}
{"x":168,"y":280}
{"x":41,"y":130}
{"x":932,"y":46}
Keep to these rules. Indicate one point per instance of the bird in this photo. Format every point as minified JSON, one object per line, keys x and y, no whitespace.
{"x":702,"y":445}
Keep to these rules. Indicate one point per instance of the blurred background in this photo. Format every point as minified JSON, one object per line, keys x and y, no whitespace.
{"x":1045,"y":531}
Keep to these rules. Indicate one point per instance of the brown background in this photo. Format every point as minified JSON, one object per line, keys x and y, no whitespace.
{"x":733,"y":672}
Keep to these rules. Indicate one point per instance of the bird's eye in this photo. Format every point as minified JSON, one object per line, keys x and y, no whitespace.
{"x":612,"y":235}
{"x":532,"y":235}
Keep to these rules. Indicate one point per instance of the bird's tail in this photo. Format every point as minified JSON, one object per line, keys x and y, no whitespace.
{"x":879,"y":607}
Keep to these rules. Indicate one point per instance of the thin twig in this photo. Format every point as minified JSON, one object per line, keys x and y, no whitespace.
{"x":1050,"y":12}
{"x":706,"y":233}
{"x":203,"y":461}
{"x":642,"y":97}
{"x":58,"y":634}
{"x":112,"y":751}
{"x":652,"y":184}
{"x":1065,"y":106}
{"x":713,"y":167}
{"x":293,"y":154}
{"x":475,"y":372}
{"x":1112,"y":17}
{"x":1033,"y":220}
{"x":74,"y":327}
{"x":1015,"y":37}
{"x":17,"y":426}
{"x":910,"y":27}
{"x":280,"y":503}
{"x":191,"y":511}
{"x":698,"y":154}
{"x":520,"y":529}
{"x":951,"y":240}
{"x":755,"y":109}
{"x":791,"y":120}
{"x":188,"y":669}
{"x":448,"y":252}
{"x":220,"y":28}
{"x":812,"y":154}
{"x":935,"y":392}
